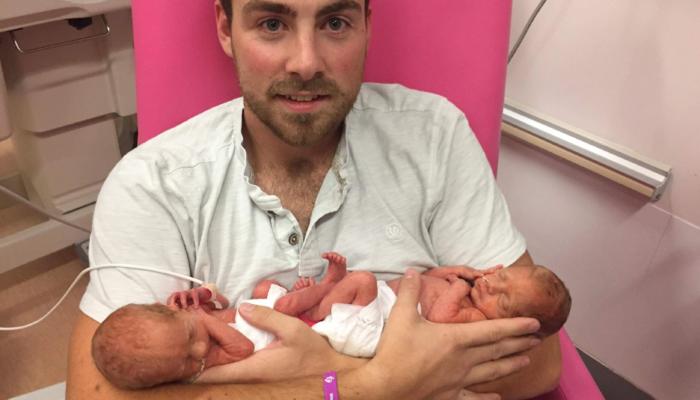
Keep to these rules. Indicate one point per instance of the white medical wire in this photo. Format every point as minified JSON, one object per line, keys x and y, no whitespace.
{"x":125,"y":266}
{"x":39,"y":209}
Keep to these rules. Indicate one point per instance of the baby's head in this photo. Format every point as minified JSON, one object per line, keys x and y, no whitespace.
{"x":524,"y":291}
{"x":143,"y":345}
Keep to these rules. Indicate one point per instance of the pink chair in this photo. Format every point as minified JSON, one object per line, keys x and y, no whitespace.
{"x":456,"y":48}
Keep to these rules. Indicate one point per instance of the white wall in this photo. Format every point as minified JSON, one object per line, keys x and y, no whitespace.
{"x":628,"y":71}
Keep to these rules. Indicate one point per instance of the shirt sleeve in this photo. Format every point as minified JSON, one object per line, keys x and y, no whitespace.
{"x":470,"y":223}
{"x":135,"y":223}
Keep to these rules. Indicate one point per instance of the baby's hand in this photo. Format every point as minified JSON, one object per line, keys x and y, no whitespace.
{"x":192,"y":298}
{"x":461,"y":271}
{"x":491,"y":270}
{"x":453,"y":278}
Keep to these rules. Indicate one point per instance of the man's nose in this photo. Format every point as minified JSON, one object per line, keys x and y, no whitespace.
{"x":305,"y":59}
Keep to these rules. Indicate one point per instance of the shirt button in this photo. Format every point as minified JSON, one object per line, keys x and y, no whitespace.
{"x":293,"y":239}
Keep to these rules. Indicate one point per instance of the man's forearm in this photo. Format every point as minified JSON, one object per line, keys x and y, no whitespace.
{"x":541,"y":376}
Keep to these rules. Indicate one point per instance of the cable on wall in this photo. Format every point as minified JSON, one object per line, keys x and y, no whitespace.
{"x":526,"y":29}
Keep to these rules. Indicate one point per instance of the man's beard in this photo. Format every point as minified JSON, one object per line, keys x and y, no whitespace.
{"x":302,"y":129}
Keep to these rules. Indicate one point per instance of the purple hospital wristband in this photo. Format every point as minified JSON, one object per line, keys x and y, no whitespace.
{"x":330,"y":386}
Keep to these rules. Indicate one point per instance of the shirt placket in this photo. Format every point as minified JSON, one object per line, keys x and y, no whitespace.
{"x":288,"y":235}
{"x":330,"y":198}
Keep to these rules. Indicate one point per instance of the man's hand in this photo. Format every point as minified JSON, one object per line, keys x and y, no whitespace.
{"x":419,"y":359}
{"x":298,"y":351}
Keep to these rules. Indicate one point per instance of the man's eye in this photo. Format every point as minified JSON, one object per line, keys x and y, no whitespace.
{"x":336,"y":24}
{"x":272,"y":25}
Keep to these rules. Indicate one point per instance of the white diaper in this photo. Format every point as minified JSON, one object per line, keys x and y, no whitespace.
{"x":350,"y":329}
{"x":355,"y":330}
{"x":259,"y":337}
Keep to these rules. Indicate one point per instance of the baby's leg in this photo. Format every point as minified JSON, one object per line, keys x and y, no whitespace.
{"x":309,"y":294}
{"x":337,"y":267}
{"x":358,"y":288}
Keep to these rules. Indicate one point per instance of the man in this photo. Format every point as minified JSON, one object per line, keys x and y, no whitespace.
{"x":307,"y":162}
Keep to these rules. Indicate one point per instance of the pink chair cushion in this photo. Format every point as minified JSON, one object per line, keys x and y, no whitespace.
{"x":576,"y":382}
{"x":456,"y":48}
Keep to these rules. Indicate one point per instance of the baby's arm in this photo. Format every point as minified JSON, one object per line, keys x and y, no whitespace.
{"x":451,"y":305}
{"x":229,"y":344}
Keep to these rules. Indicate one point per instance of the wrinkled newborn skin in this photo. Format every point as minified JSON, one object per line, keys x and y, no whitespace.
{"x":446,"y":293}
{"x":445,"y":299}
{"x":143,"y":345}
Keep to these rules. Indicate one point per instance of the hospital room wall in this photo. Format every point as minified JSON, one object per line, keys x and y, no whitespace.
{"x":626,"y":71}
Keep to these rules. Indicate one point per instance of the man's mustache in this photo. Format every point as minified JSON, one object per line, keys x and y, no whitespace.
{"x":318,"y":86}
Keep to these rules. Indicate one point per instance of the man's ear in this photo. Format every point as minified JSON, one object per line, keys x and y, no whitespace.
{"x":223,"y":28}
{"x":368,"y":26}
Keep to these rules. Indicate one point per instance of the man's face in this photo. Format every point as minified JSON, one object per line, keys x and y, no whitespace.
{"x":300,"y":63}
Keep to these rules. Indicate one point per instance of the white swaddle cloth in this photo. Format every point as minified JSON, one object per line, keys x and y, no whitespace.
{"x":355,"y":330}
{"x":259,"y":337}
{"x":350,"y":329}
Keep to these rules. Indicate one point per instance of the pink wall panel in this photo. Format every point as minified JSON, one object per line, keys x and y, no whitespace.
{"x":180,"y":69}
{"x":632,"y":268}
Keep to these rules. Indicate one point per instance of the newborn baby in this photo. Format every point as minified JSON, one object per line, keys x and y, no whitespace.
{"x":143,"y":345}
{"x":455,"y":294}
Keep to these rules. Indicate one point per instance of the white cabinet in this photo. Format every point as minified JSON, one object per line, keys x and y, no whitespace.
{"x":64,"y":85}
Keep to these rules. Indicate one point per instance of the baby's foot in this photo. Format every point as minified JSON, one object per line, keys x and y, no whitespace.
{"x":337,"y":267}
{"x":303,"y":282}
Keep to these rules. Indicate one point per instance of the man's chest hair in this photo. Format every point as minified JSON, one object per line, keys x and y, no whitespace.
{"x":297,"y":191}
